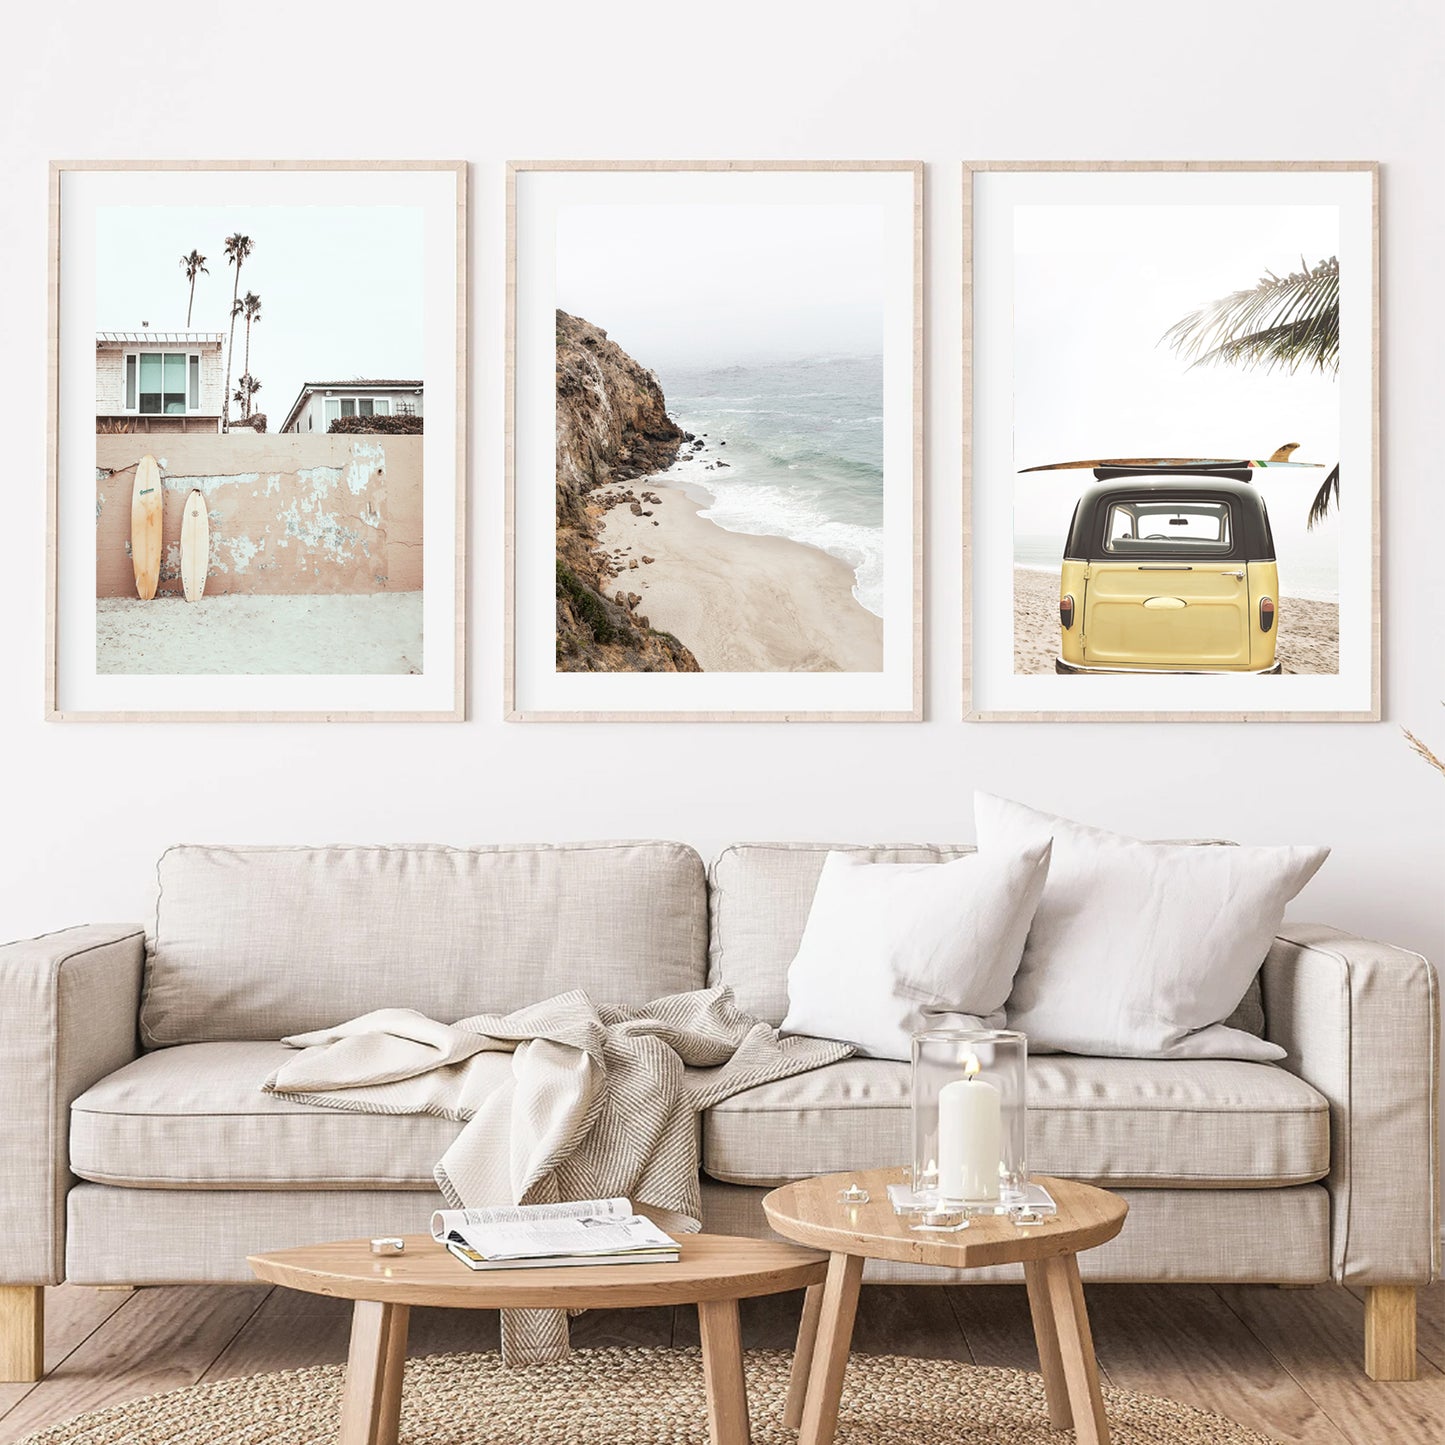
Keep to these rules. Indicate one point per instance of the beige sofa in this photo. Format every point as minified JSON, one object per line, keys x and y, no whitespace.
{"x":136,"y":1146}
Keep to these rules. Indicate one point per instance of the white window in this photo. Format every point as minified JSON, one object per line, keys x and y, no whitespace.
{"x":337,"y":406}
{"x":162,"y":383}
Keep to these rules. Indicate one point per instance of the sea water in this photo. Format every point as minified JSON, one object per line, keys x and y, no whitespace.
{"x":804,"y":454}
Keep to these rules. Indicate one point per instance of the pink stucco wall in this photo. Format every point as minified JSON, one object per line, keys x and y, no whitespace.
{"x":289,"y":514}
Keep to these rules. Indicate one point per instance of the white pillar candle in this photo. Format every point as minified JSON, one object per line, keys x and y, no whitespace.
{"x":970,"y":1140}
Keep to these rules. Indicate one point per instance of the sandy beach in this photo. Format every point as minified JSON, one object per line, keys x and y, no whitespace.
{"x":741,"y":603}
{"x":1309,"y":632}
{"x":319,"y":635}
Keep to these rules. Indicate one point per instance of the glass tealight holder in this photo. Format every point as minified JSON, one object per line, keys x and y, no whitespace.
{"x":970,"y":1120}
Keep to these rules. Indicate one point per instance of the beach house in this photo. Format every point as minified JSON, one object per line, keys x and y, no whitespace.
{"x":159,"y":381}
{"x":320,"y":403}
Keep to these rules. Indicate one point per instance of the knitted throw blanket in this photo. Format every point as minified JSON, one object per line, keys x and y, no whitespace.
{"x":598,"y":1102}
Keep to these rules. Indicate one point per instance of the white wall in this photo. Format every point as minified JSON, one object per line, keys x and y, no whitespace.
{"x":87,"y":807}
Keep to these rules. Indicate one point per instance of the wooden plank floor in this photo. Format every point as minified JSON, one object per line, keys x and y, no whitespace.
{"x":1285,"y":1362}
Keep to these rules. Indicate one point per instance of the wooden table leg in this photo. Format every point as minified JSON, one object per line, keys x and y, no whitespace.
{"x":1046,"y":1335}
{"x":803,"y":1357}
{"x":722,"y":1367}
{"x":830,"y":1353}
{"x":371,"y":1401}
{"x":1076,"y":1350}
{"x":388,"y":1420}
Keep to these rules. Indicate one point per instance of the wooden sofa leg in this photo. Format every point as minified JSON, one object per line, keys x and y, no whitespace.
{"x":1390,"y":1331}
{"x":22,"y":1333}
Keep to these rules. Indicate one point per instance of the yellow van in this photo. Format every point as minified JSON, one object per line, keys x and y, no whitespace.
{"x":1169,"y":569}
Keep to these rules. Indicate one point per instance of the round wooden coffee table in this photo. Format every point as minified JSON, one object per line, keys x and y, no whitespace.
{"x":714,"y":1273}
{"x":810,"y":1213}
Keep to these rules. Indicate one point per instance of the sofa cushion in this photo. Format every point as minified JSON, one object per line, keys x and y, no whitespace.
{"x":1143,"y":950}
{"x":891,"y":949}
{"x":194,"y":1116}
{"x":1195,"y":1123}
{"x":761,"y":893}
{"x":760,"y":897}
{"x":1239,"y":1235}
{"x":259,"y":943}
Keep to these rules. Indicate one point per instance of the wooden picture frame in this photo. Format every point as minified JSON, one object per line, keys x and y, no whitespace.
{"x":986,"y":695}
{"x":437,"y":189}
{"x":906,"y":640}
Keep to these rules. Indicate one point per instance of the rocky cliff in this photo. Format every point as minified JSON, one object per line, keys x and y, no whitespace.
{"x":612,"y":425}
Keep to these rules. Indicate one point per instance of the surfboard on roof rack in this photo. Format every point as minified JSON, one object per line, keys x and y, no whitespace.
{"x":1280,"y":458}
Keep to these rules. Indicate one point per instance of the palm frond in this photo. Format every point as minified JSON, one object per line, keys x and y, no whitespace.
{"x":1282,"y":321}
{"x":238,"y":247}
{"x":1329,"y":492}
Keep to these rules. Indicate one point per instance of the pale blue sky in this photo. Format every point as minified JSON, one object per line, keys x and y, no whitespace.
{"x":703,"y":284}
{"x":1095,"y":289}
{"x":341,"y":287}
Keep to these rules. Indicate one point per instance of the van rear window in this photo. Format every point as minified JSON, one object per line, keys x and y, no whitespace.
{"x":1195,"y":529}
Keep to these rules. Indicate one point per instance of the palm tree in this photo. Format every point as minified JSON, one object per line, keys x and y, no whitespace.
{"x":246,"y":389}
{"x":238,"y":247}
{"x":193,"y":265}
{"x":249,"y":307}
{"x":1287,"y":322}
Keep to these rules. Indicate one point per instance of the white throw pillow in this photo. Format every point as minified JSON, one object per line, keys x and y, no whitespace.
{"x":891,"y":948}
{"x":1141,"y":950}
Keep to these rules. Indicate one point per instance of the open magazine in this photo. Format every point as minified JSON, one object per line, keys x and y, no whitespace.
{"x":545,"y":1236}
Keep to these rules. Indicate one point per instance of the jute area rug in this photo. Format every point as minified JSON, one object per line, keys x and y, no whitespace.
{"x":643,"y":1396}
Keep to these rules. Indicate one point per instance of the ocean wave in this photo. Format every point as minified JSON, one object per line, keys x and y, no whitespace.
{"x":828,"y":462}
{"x":761,"y":510}
{"x":848,"y":456}
{"x":707,"y":398}
{"x":748,"y":411}
{"x":803,"y":457}
{"x":851,"y":457}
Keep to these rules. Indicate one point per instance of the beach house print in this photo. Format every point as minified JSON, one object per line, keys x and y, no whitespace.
{"x":291,"y":550}
{"x":159,"y":381}
{"x":321,"y":403}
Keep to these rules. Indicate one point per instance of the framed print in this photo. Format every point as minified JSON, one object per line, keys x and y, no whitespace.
{"x":257,"y":440}
{"x":714,"y":440}
{"x":1172,"y":419}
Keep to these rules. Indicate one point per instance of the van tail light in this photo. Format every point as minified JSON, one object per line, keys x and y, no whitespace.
{"x":1266,"y":613}
{"x":1066,"y":612}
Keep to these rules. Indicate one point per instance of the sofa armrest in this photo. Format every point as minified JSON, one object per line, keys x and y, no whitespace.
{"x":1360,"y":1022}
{"x":69,"y":1003}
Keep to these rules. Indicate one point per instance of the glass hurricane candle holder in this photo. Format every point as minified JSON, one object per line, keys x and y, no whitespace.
{"x":970,"y":1129}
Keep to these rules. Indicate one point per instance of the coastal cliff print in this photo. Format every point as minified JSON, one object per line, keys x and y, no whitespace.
{"x":733,"y":436}
{"x":1177,"y":415}
{"x":720,"y":440}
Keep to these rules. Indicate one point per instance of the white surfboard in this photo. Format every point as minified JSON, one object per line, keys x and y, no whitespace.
{"x":195,"y":546}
